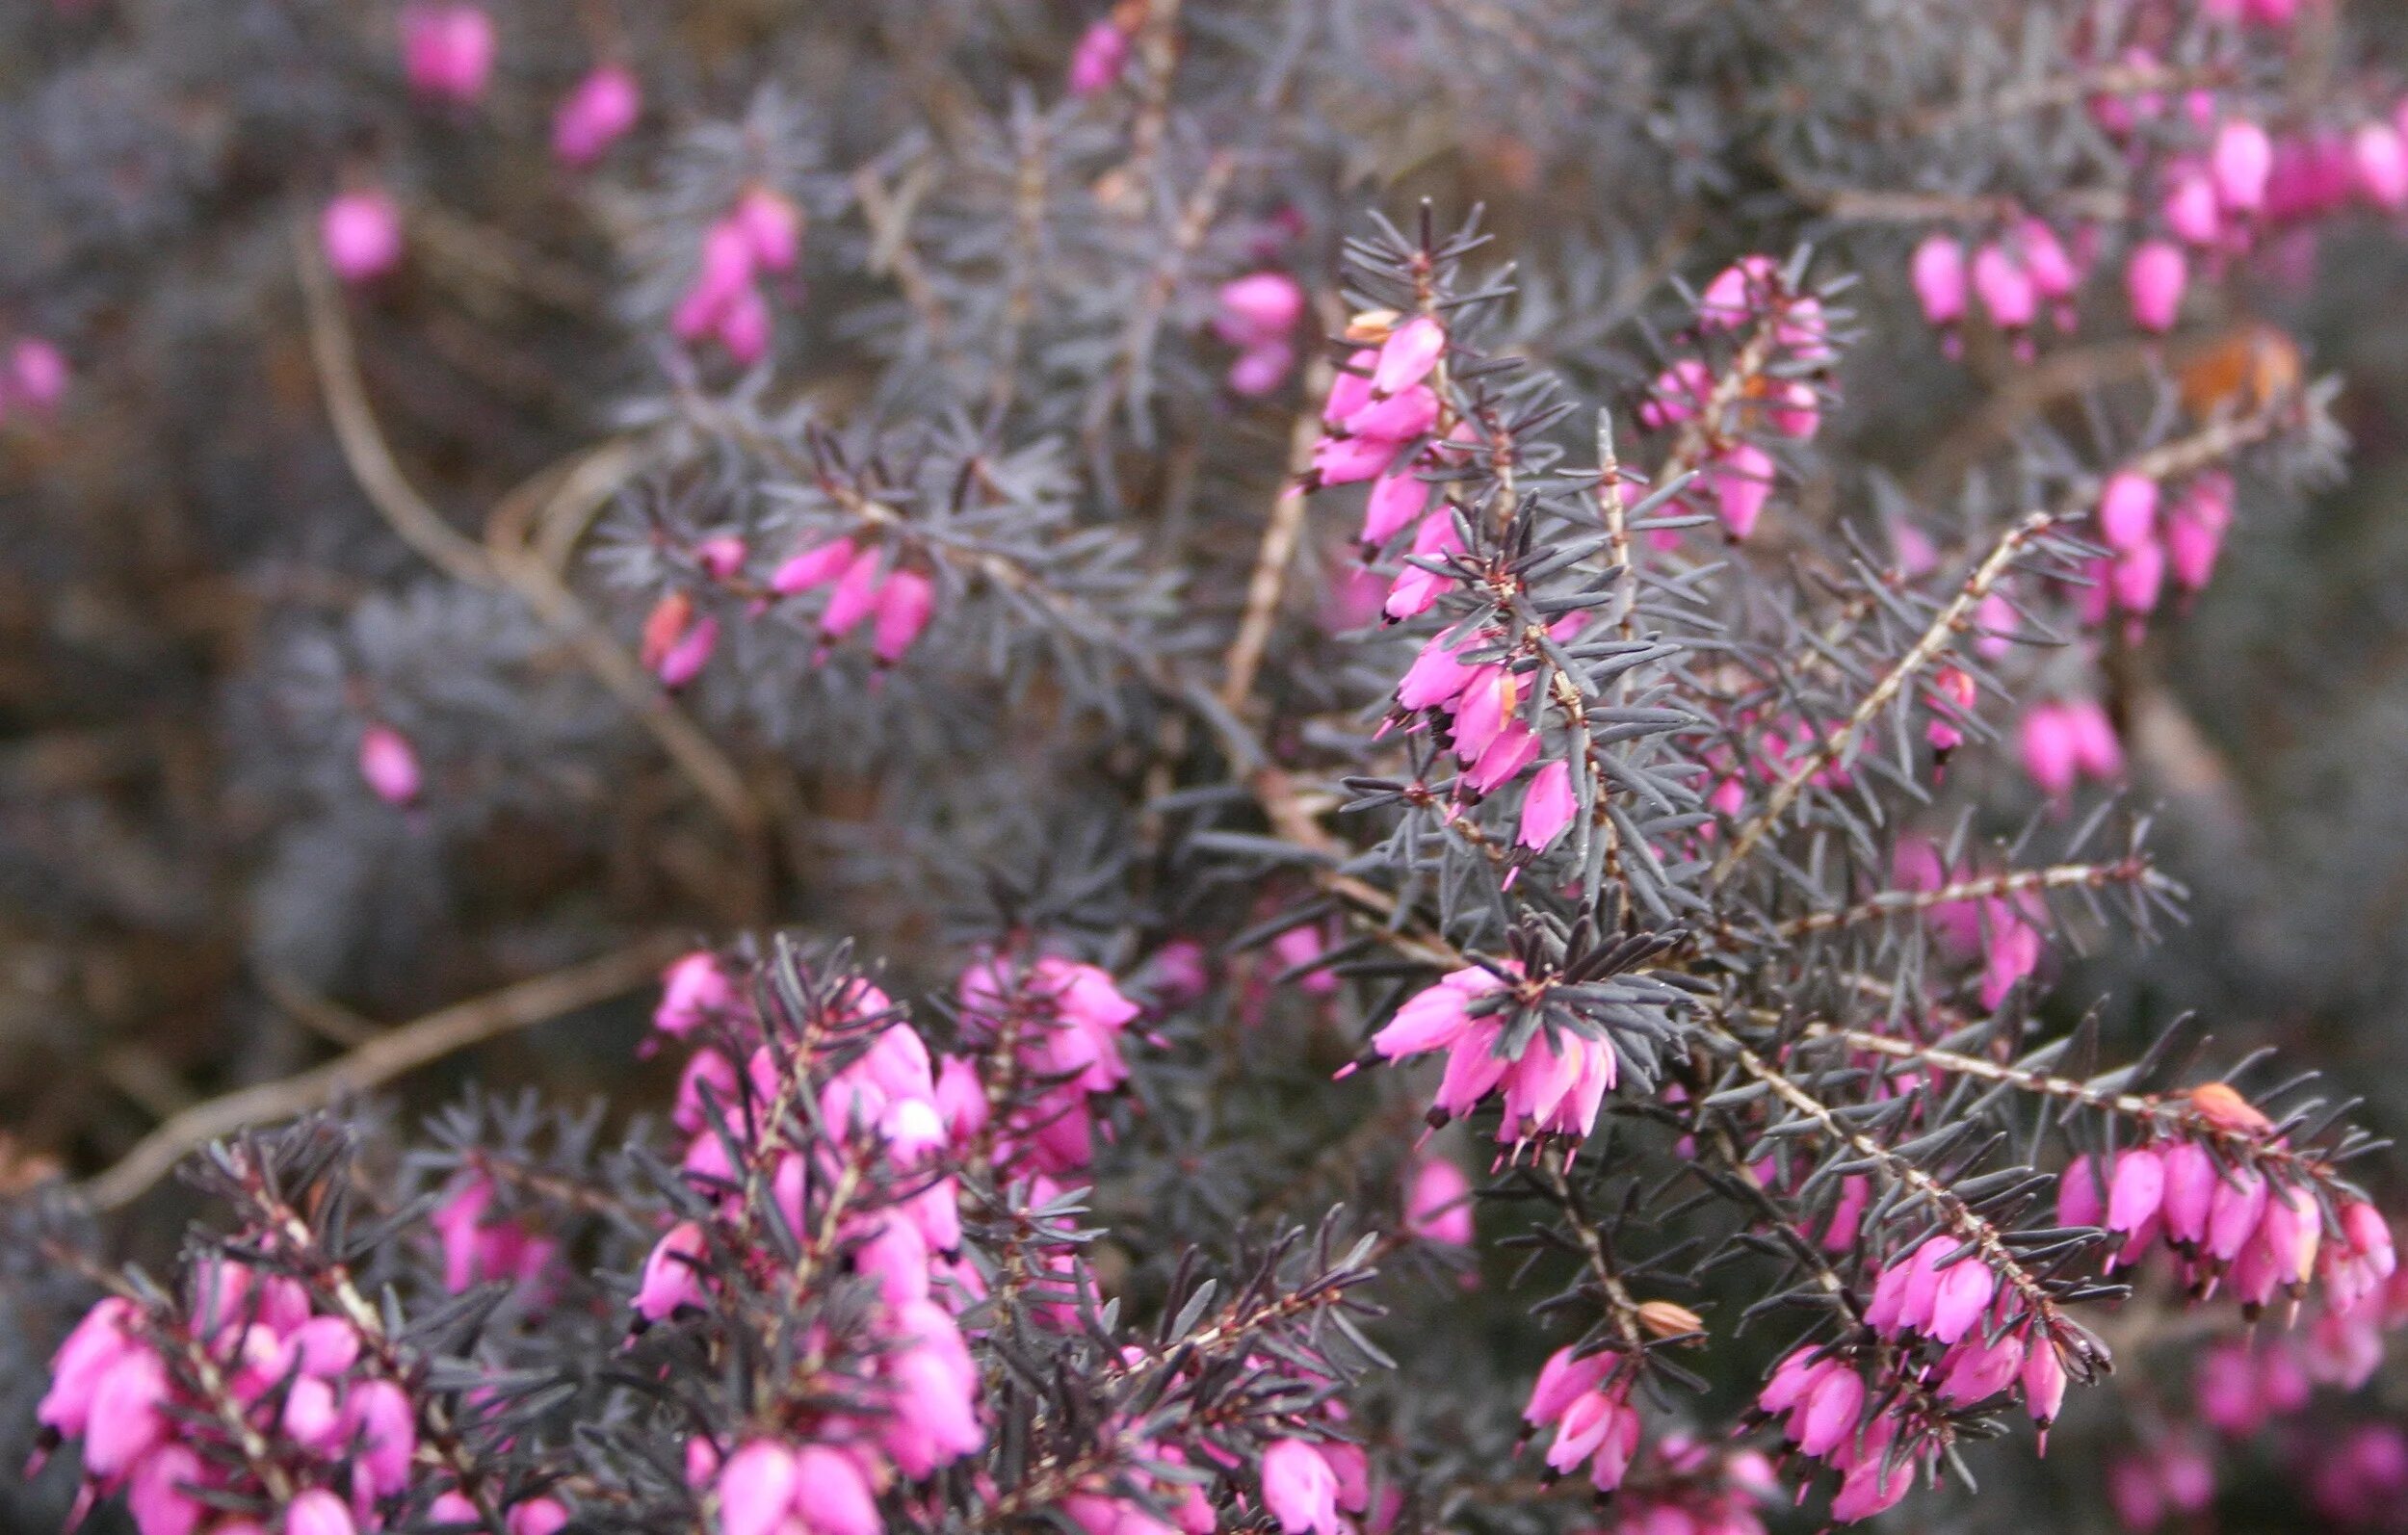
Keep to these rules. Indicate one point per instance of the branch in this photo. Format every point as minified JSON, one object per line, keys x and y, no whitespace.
{"x":2061,"y":876}
{"x":1277,"y":551}
{"x":379,"y":1060}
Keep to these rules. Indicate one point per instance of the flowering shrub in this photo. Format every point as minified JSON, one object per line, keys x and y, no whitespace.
{"x":1303,"y":866}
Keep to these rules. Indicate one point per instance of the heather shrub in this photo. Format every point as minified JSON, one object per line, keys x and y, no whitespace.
{"x":1356,"y":766}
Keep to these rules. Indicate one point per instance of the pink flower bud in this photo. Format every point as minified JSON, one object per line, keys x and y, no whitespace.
{"x":1261,"y":306}
{"x":361,"y":233}
{"x":2045,"y":259}
{"x":1741,"y":482}
{"x":1964,"y":1291}
{"x":126,"y":1417}
{"x":536,"y":1516}
{"x":725,"y":271}
{"x":855,"y":597}
{"x":2128,"y":509}
{"x":595,"y":116}
{"x":1937,"y":271}
{"x":37,"y":372}
{"x":2137,"y":578}
{"x":2195,"y":529}
{"x":158,"y":1499}
{"x":2044,"y":1382}
{"x":2005,"y":288}
{"x":447,"y":51}
{"x":1733,"y":295}
{"x":2242,"y":158}
{"x":1400,"y":417}
{"x":2046,"y":742}
{"x":2155,"y":281}
{"x":1347,"y":460}
{"x":683,"y":660}
{"x":1548,"y":807}
{"x":2136,"y":1190}
{"x":2191,"y":211}
{"x":318,"y":1512}
{"x":1397,"y":501}
{"x":389,"y":1427}
{"x":773,"y":228}
{"x":812,"y":568}
{"x":745,"y":326}
{"x":905,"y":606}
{"x":1408,"y":355}
{"x":1096,"y":62}
{"x":1417,"y":590}
{"x":831,"y":1495}
{"x":2381,"y":160}
{"x":1501,"y":761}
{"x":2190,"y":1180}
{"x":1436,"y":678}
{"x":1261,"y":369}
{"x":2233,"y":1215}
{"x":755,"y":1488}
{"x":2097,"y":751}
{"x":1299,"y":1489}
{"x":1563,"y":1379}
{"x":668,"y":1280}
{"x":389,"y":765}
{"x":1438,"y":1203}
{"x":1828,"y":1414}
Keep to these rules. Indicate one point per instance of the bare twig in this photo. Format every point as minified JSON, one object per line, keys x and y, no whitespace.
{"x":378,"y":1060}
{"x":1277,"y":551}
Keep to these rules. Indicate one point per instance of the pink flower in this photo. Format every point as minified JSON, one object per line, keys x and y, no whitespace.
{"x":723,"y":274}
{"x":670,"y":1279}
{"x":905,"y":606}
{"x":809,"y":569}
{"x":2044,"y":1382}
{"x":361,"y":233}
{"x":1408,"y":355}
{"x":2137,"y":578}
{"x":2191,"y":210}
{"x":1349,"y":460}
{"x":1937,"y":271}
{"x":2240,"y":161}
{"x":159,"y":1499}
{"x":388,"y":765}
{"x":855,"y":597}
{"x":2097,"y":752}
{"x":536,"y":1516}
{"x":1416,"y":588}
{"x":1438,"y":1203}
{"x":831,"y":1495}
{"x":2381,"y":160}
{"x":2010,"y":951}
{"x":1731,"y":298}
{"x":126,"y":1416}
{"x":755,"y":1486}
{"x":1398,"y":418}
{"x":2005,"y":288}
{"x":1261,"y":369}
{"x":1299,"y":1489}
{"x":1548,"y":807}
{"x":1096,"y":62}
{"x":2195,"y":529}
{"x":2155,"y":281}
{"x":2128,"y":509}
{"x":39,"y":372}
{"x":1435,"y":1018}
{"x":318,"y":1512}
{"x":1257,"y":307}
{"x":596,"y":114}
{"x":693,"y":989}
{"x":1742,"y":482}
{"x":1828,"y":1411}
{"x":447,"y":51}
{"x":2046,"y":741}
{"x":389,"y":1428}
{"x":2045,"y":259}
{"x":771,"y":227}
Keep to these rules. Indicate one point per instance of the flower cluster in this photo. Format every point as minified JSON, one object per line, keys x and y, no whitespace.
{"x":757,"y":241}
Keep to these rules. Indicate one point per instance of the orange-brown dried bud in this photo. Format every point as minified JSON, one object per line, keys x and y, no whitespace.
{"x":2220,"y":1105}
{"x":1372,"y":326}
{"x":1667,"y":1319}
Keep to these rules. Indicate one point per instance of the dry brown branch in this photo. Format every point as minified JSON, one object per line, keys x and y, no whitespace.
{"x":378,"y":1061}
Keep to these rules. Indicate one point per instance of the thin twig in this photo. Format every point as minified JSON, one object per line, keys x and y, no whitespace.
{"x":1277,"y":551}
{"x":378,"y":1060}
